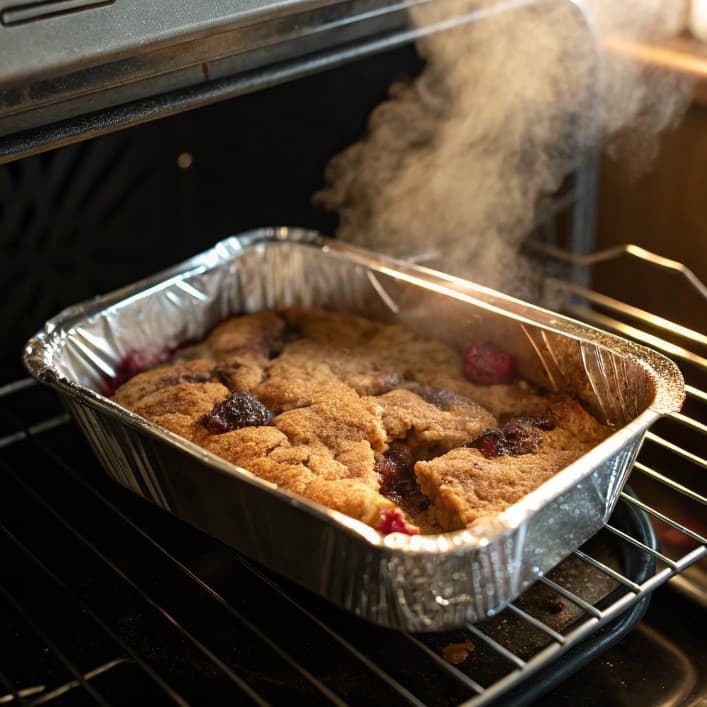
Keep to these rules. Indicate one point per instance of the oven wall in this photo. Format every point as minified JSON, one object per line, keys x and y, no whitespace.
{"x":662,"y":210}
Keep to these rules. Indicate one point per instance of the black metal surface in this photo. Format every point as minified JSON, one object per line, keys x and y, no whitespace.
{"x":65,"y":77}
{"x":379,"y":33}
{"x":638,"y":566}
{"x":105,"y":597}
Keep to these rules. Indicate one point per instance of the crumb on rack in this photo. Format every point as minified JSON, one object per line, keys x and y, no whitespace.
{"x":457,"y":653}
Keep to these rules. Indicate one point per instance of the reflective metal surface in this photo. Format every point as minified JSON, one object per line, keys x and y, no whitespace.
{"x":417,"y":583}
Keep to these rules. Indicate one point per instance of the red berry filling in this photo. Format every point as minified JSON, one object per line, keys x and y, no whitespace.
{"x":487,"y":365}
{"x":392,"y":521}
{"x":135,"y":362}
{"x":520,"y":435}
{"x":240,"y":410}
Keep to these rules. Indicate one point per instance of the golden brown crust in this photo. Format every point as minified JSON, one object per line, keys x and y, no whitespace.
{"x":425,"y":427}
{"x":143,"y":384}
{"x":464,"y":486}
{"x":309,"y":470}
{"x":342,"y":390}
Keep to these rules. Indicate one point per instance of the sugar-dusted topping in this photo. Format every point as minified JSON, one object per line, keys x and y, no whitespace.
{"x":365,"y":418}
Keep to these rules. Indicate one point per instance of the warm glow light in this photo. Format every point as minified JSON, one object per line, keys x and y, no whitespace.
{"x":184,"y":161}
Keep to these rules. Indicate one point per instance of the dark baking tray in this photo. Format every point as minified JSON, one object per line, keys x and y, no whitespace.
{"x":635,"y":564}
{"x":638,"y":566}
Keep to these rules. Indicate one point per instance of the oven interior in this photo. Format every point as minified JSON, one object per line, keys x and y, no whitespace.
{"x":103,"y":597}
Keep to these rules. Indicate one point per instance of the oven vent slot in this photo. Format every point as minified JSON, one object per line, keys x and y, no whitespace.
{"x":33,"y":11}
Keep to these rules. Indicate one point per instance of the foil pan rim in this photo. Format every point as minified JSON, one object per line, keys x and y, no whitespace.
{"x":668,"y":386}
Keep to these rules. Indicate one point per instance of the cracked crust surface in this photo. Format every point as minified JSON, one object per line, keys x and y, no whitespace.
{"x":344,"y":391}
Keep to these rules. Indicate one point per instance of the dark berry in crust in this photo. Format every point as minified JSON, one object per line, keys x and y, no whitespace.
{"x":240,"y":410}
{"x":520,"y":435}
{"x":396,"y":473}
{"x":487,"y":365}
{"x":492,"y":443}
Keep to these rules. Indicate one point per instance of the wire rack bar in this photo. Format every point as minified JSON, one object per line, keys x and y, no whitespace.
{"x":674,"y":485}
{"x":67,"y":687}
{"x":665,"y":519}
{"x":632,"y":332}
{"x":11,"y":693}
{"x":571,"y":596}
{"x":16,"y":386}
{"x":508,"y":655}
{"x":637,"y":543}
{"x":629,"y":310}
{"x":553,"y":651}
{"x":537,"y":623}
{"x":691,"y":558}
{"x":455,"y":672}
{"x":87,"y":609}
{"x":608,"y":571}
{"x":44,"y":638}
{"x":696,"y":393}
{"x":670,"y":483}
{"x":271,"y":644}
{"x":40,"y":427}
{"x":616,"y":252}
{"x":699,"y":461}
{"x":693,"y":424}
{"x":400,"y":689}
{"x":24,"y":694}
{"x":236,"y":679}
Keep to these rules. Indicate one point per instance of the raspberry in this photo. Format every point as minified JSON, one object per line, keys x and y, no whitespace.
{"x":392,"y":521}
{"x":240,"y":410}
{"x":487,"y":365}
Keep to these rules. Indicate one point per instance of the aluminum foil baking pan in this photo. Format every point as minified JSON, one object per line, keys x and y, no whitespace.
{"x":418,"y":583}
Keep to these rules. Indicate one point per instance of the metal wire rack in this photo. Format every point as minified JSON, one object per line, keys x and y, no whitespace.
{"x":142,"y":573}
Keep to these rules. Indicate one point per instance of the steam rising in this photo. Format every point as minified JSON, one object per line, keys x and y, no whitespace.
{"x":459,"y":160}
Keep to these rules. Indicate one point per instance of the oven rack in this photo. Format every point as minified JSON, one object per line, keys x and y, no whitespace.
{"x":57,"y":509}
